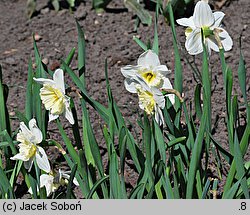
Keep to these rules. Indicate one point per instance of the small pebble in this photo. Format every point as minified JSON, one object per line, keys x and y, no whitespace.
{"x":37,"y":37}
{"x":45,"y":61}
{"x":45,"y":11}
{"x":12,"y":113}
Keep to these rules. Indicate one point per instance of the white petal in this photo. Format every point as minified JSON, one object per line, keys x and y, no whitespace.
{"x":187,"y":22}
{"x":35,"y":131}
{"x":218,"y":16}
{"x":19,"y":157}
{"x":129,"y":71}
{"x":130,"y":85}
{"x":59,"y":79}
{"x":26,"y":132}
{"x":212,"y":44}
{"x":47,"y":181}
{"x":42,"y":160}
{"x":226,"y":40}
{"x":148,"y":59}
{"x":167,"y":84}
{"x":171,"y":98}
{"x":159,"y":116}
{"x":162,"y":69}
{"x":44,"y":81}
{"x":193,"y":43}
{"x":69,"y":115}
{"x":52,"y":117}
{"x":203,"y":15}
{"x":159,"y":98}
{"x":66,"y":176}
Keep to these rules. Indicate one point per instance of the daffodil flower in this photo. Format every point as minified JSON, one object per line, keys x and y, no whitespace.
{"x":151,"y":99}
{"x":28,"y":148}
{"x":150,"y":70}
{"x":53,"y":96}
{"x":215,"y":37}
{"x":53,"y":182}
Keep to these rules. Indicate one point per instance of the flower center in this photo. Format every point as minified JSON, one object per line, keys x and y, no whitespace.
{"x":27,"y":149}
{"x":53,"y":99}
{"x":207,"y":31}
{"x":146,"y":101}
{"x":148,"y":76}
{"x":151,"y":78}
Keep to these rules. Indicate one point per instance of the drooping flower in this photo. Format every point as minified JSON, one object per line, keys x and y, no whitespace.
{"x":150,"y":70}
{"x":205,"y":20}
{"x":28,"y":148}
{"x":53,"y":96}
{"x":52,"y":182}
{"x":151,"y":99}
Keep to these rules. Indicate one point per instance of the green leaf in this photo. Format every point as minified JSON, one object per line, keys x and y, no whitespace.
{"x":99,"y":5}
{"x":159,"y":141}
{"x":71,"y":3}
{"x":70,"y":183}
{"x":156,"y":40}
{"x":115,"y":186}
{"x":195,"y":158}
{"x":5,"y":184}
{"x":68,"y":143}
{"x":140,"y":43}
{"x":242,"y":77}
{"x":33,"y":185}
{"x":175,"y":141}
{"x":137,"y":8}
{"x":69,"y":58}
{"x":96,"y":185}
{"x":96,"y":105}
{"x":197,"y":100}
{"x":178,"y":67}
{"x":81,"y":53}
{"x":232,"y":191}
{"x":56,"y":5}
{"x":30,"y":8}
{"x":29,"y":94}
{"x":136,"y":190}
{"x":147,"y":144}
{"x":75,"y":126}
{"x":240,"y":171}
{"x":84,"y":170}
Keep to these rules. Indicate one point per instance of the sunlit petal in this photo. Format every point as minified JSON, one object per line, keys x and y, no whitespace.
{"x":37,"y":134}
{"x":59,"y":79}
{"x":187,"y":22}
{"x":148,"y":59}
{"x":203,"y":15}
{"x":42,"y":160}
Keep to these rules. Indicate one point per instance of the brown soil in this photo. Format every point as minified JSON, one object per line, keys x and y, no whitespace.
{"x":109,"y":35}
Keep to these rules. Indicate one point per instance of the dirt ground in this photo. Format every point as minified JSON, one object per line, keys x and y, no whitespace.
{"x":109,"y":35}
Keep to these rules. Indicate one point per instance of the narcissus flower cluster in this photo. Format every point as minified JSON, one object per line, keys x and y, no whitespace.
{"x":204,"y":20}
{"x":56,"y":102}
{"x":147,"y":79}
{"x":53,"y":96}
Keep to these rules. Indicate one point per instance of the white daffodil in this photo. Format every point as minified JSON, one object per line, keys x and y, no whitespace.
{"x":215,"y":37}
{"x":47,"y":181}
{"x":53,"y":96}
{"x":28,"y":149}
{"x":52,"y":183}
{"x":150,"y":70}
{"x":151,"y":100}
